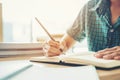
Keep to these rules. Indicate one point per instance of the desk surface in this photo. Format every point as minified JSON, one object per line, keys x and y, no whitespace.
{"x":103,"y":74}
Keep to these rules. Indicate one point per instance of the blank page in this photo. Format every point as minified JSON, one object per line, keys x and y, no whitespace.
{"x":72,"y":73}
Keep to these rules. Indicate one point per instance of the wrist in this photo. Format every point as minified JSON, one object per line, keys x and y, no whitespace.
{"x":63,"y":47}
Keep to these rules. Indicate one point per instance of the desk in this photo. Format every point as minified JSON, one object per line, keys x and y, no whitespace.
{"x":103,"y":74}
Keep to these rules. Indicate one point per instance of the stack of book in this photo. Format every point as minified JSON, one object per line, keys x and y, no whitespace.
{"x":10,"y":49}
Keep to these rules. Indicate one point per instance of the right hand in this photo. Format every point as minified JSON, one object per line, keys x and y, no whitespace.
{"x":52,"y":48}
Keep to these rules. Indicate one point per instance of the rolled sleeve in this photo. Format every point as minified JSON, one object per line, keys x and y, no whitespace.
{"x":77,"y":30}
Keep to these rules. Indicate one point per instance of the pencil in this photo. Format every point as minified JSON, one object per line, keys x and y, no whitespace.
{"x":46,"y":31}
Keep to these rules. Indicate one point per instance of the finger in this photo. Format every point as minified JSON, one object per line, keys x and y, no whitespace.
{"x":114,"y":54}
{"x":111,"y":56}
{"x":46,"y":47}
{"x":106,"y":52}
{"x":116,"y":47}
{"x":118,"y":50}
{"x":54,"y":44}
{"x":108,"y":57}
{"x":107,"y":49}
{"x":103,"y":51}
{"x":54,"y":50}
{"x":51,"y":54}
{"x":100,"y":55}
{"x":117,"y":58}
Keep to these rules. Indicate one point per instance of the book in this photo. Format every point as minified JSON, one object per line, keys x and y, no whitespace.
{"x":11,"y":46}
{"x":9,"y":49}
{"x":86,"y":58}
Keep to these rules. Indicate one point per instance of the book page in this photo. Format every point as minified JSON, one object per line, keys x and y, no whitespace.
{"x":90,"y":59}
{"x":46,"y":59}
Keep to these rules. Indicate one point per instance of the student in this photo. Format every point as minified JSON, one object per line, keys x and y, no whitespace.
{"x":99,"y":21}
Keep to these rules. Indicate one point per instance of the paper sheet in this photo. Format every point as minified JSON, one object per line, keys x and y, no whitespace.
{"x":72,"y":73}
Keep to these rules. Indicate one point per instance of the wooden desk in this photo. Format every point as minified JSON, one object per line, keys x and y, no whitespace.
{"x":103,"y":74}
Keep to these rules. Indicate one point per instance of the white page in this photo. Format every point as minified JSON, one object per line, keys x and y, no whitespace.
{"x":11,"y":68}
{"x":72,"y":73}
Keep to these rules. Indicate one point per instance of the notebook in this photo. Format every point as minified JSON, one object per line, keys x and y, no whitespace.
{"x":70,"y":73}
{"x":9,"y":69}
{"x":86,"y":58}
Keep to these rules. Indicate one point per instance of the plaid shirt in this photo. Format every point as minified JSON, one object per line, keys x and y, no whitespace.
{"x":94,"y":22}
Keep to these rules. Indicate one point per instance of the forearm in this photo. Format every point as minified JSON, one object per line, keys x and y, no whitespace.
{"x":67,"y":42}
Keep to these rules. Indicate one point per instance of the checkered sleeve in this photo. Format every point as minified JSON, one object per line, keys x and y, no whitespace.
{"x":77,"y":30}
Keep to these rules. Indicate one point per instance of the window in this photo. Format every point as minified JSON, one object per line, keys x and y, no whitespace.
{"x":0,"y":22}
{"x":56,"y":15}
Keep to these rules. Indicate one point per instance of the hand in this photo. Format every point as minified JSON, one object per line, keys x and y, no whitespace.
{"x":109,"y":53}
{"x":52,"y":48}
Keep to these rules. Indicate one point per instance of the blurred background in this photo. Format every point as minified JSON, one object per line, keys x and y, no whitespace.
{"x":19,"y":24}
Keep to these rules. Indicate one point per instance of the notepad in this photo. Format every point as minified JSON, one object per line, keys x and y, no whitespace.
{"x":86,"y":58}
{"x":70,"y":73}
{"x":9,"y":69}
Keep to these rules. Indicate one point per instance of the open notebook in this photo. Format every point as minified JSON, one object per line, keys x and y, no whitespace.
{"x":86,"y":58}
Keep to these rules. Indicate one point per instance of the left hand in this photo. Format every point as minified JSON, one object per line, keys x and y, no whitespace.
{"x":109,"y":53}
